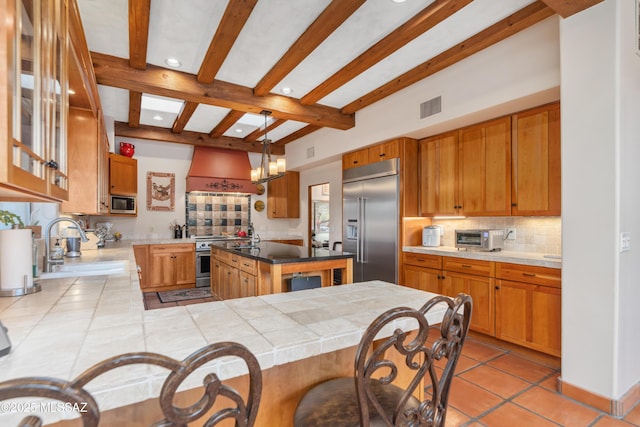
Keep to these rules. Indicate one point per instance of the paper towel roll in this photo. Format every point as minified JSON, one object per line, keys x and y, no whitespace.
{"x":16,"y":259}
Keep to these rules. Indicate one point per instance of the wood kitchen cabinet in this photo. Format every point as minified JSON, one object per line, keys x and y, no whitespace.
{"x":536,"y":174}
{"x":439,"y":175}
{"x":423,"y":272}
{"x":451,"y":276}
{"x":172,"y":266}
{"x":355,"y":159}
{"x":34,"y":90}
{"x":468,"y":171}
{"x":517,"y":303}
{"x":123,"y":175}
{"x":528,"y":306}
{"x":484,"y":152}
{"x":233,"y":276}
{"x":475,"y":278}
{"x":379,"y":152}
{"x":283,"y":196}
{"x":88,"y":153}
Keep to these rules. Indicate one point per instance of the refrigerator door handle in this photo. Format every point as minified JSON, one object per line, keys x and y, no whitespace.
{"x":361,"y":218}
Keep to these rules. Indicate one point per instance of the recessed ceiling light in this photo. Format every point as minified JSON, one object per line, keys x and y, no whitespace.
{"x":158,"y":117}
{"x":173,"y":62}
{"x":239,"y":130}
{"x":398,"y":1}
{"x":287,"y":90}
{"x":71,"y":92}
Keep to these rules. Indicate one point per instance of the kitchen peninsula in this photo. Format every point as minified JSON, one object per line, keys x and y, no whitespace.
{"x":299,"y":338}
{"x":269,"y":268}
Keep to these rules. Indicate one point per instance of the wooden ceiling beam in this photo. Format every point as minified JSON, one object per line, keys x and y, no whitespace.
{"x":190,"y":138}
{"x":116,"y":72}
{"x":293,"y":136}
{"x":234,"y":18}
{"x":326,"y":23}
{"x":229,"y":120}
{"x":566,"y":8}
{"x":420,"y":23}
{"x":188,"y":108}
{"x":139,"y":11}
{"x":520,"y":20}
{"x":135,"y":106}
{"x":253,"y":136}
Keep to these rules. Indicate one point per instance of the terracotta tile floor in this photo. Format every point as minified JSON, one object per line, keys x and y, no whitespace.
{"x":494,"y":387}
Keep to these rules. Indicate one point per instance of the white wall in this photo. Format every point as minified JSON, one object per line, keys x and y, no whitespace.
{"x":600,"y":131}
{"x":154,"y":156}
{"x":628,"y":318}
{"x":517,"y":73}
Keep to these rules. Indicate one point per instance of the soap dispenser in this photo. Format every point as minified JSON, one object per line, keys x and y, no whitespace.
{"x":57,"y":251}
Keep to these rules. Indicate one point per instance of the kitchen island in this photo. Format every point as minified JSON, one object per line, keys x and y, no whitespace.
{"x":299,"y":338}
{"x":268,"y":268}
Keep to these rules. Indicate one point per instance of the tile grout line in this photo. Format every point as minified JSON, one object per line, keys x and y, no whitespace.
{"x":478,"y":418}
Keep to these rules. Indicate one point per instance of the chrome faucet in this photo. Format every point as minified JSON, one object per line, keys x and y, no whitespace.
{"x":48,"y":262}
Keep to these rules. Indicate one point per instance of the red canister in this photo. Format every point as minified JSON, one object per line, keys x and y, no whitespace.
{"x":127,"y":149}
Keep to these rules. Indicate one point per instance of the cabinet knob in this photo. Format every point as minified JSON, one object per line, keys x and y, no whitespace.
{"x":52,"y":164}
{"x":382,"y":154}
{"x":498,"y":288}
{"x":513,"y":205}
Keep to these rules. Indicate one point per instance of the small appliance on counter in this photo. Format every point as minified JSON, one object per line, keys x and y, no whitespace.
{"x":484,"y":240}
{"x":431,"y":235}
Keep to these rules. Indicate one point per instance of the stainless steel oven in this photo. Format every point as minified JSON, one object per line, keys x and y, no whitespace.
{"x":203,"y":263}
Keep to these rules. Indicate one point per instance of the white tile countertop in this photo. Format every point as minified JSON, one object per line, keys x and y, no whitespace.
{"x":526,"y":258}
{"x":76,"y":322}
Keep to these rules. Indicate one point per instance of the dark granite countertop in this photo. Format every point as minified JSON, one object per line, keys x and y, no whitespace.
{"x":281,"y":253}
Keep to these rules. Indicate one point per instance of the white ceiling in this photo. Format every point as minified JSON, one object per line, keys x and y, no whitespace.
{"x":184,"y":29}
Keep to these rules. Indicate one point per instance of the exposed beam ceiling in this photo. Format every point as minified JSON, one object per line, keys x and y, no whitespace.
{"x":346,"y":54}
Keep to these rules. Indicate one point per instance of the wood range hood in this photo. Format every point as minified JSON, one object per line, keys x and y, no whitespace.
{"x":217,"y":170}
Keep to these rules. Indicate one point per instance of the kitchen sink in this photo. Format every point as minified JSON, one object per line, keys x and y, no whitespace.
{"x":95,"y":268}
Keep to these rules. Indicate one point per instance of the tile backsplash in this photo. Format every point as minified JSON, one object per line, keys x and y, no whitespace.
{"x":217,"y":213}
{"x":533,"y":234}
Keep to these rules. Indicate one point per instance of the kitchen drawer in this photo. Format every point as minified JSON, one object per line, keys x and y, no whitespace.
{"x":224,"y":256}
{"x":470,"y":266}
{"x":422,"y":260}
{"x":234,"y":260}
{"x":172,"y":248}
{"x":249,"y":265}
{"x":529,"y":274}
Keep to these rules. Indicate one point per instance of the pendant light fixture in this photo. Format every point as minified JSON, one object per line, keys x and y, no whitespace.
{"x":268,"y":169}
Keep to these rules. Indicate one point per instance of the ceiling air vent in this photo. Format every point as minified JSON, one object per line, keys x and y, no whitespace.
{"x":311,"y":152}
{"x":431,"y":107}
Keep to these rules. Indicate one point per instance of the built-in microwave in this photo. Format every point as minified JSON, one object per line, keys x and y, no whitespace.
{"x":485,"y":240}
{"x":122,"y":205}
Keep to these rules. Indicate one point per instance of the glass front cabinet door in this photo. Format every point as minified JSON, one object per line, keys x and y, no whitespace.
{"x":34,"y":77}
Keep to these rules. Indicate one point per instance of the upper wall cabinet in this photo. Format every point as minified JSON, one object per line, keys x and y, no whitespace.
{"x":383,"y":151}
{"x":283,"y":196}
{"x":484,"y":152}
{"x":88,"y":153}
{"x":468,"y":171}
{"x":536,"y":162}
{"x":123,"y":175}
{"x":33,"y":77}
{"x":506,"y":166}
{"x":439,"y":175}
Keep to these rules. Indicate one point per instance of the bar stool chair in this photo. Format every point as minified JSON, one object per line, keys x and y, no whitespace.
{"x":370,"y":398}
{"x":241,"y":409}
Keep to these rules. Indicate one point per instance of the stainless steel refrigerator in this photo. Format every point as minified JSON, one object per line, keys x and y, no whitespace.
{"x":370,"y":215}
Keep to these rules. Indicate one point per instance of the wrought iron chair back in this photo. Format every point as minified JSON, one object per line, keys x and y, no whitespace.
{"x":374,"y":397}
{"x":74,"y":394}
